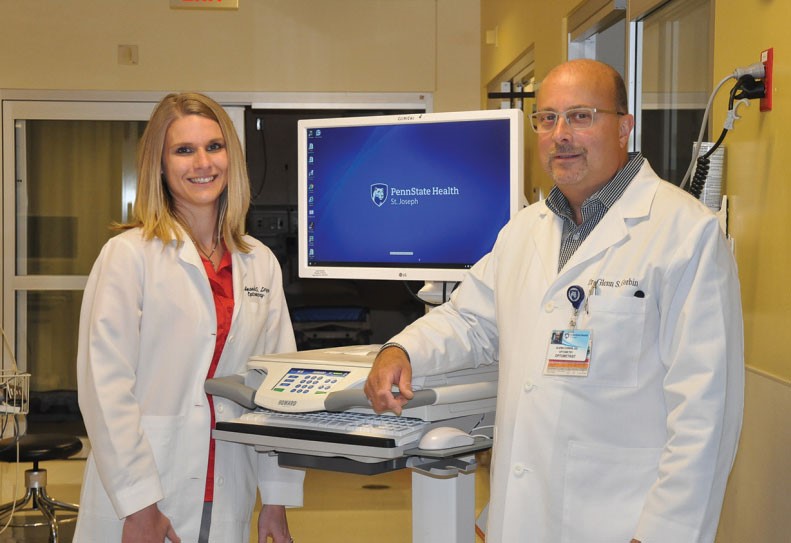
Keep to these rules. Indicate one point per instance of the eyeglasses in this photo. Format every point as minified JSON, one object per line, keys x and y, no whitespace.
{"x":578,"y":118}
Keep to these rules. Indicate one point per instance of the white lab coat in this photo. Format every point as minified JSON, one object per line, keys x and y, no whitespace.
{"x":642,"y":446}
{"x":146,"y":340}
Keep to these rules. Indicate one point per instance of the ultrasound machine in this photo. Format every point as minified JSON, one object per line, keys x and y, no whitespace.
{"x":309,"y":408}
{"x":401,"y":197}
{"x":312,"y":403}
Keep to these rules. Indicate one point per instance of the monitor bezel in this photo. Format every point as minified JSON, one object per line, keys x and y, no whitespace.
{"x":517,"y":200}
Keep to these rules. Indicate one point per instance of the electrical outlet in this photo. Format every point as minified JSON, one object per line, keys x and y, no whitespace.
{"x":767,"y":59}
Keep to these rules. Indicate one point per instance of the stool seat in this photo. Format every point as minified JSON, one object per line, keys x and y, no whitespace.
{"x":36,"y":448}
{"x":40,"y":447}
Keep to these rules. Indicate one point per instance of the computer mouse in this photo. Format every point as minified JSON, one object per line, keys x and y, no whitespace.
{"x":444,"y":437}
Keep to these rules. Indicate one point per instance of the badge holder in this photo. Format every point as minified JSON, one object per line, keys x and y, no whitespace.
{"x":569,"y":350}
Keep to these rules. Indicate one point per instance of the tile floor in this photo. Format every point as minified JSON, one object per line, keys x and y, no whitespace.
{"x":339,"y":508}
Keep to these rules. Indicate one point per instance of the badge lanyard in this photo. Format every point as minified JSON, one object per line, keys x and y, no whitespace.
{"x":575,"y":295}
{"x":569,"y":350}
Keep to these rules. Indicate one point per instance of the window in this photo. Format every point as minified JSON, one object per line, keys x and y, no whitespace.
{"x":68,"y":172}
{"x":518,"y":77}
{"x":673,"y":70}
{"x":73,"y":174}
{"x":597,"y":30}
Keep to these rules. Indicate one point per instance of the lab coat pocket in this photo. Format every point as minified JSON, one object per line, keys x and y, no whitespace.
{"x":617,"y":324}
{"x":604,"y":491}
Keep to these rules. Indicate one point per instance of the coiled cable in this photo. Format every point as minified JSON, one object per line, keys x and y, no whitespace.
{"x":745,"y":87}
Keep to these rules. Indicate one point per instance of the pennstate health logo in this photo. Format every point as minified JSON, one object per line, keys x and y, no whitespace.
{"x":379,"y":193}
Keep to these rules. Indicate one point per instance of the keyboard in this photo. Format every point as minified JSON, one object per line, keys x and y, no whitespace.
{"x":401,"y":430}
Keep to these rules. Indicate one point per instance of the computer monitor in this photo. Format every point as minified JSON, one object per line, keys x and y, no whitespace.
{"x":407,"y":197}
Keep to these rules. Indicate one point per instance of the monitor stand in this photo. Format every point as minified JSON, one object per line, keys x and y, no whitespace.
{"x":436,"y":292}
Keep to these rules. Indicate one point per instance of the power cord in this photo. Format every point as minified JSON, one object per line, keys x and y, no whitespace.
{"x":745,"y":89}
{"x":13,"y":394}
{"x":746,"y":77}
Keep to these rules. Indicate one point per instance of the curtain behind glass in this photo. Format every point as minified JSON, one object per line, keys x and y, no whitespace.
{"x":77,"y":184}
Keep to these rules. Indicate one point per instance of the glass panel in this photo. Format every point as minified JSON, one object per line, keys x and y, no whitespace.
{"x":607,"y":45}
{"x":676,"y":74}
{"x":78,"y":180}
{"x":50,"y":320}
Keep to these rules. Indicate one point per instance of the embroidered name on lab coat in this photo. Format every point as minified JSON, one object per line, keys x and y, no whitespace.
{"x":608,"y":283}
{"x":256,"y":292}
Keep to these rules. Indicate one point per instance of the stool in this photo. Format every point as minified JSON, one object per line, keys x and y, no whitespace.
{"x":35,"y":448}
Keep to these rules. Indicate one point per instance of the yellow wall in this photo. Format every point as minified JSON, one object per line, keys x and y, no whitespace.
{"x":265,"y":45}
{"x":522,"y":24}
{"x":756,"y":149}
{"x":757,"y":178}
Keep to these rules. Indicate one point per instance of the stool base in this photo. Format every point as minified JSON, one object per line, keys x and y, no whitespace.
{"x":37,"y":499}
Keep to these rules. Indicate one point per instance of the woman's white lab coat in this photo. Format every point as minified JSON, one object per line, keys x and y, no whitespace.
{"x":642,"y":446}
{"x":146,"y":340}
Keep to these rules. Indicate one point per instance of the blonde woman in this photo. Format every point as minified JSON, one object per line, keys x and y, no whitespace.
{"x":180,"y":295}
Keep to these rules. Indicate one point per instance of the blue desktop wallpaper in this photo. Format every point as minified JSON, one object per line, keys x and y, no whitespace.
{"x":443,"y":193}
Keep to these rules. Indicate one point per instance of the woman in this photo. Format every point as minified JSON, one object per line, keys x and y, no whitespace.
{"x":181,"y":295}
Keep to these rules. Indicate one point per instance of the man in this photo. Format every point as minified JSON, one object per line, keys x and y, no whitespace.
{"x":626,"y":429}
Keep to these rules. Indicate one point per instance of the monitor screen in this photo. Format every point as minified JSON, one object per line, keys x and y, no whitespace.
{"x":410,"y":197}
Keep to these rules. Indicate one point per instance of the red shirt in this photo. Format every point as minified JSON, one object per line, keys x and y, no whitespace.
{"x":221,"y":282}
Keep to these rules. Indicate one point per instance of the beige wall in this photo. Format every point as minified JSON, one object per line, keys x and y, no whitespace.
{"x":758,"y":499}
{"x":265,"y":45}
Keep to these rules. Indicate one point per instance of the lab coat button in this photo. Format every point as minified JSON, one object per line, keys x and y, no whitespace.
{"x":520,"y":470}
{"x":549,"y":307}
{"x":529,"y":386}
{"x":220,"y":481}
{"x":220,"y":407}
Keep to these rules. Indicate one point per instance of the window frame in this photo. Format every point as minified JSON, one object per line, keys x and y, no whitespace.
{"x":18,"y":106}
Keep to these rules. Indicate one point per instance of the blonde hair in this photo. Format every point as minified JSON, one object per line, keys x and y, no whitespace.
{"x":154,"y":209}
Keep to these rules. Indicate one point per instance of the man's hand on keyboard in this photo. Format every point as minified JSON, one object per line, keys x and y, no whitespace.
{"x":391,"y":367}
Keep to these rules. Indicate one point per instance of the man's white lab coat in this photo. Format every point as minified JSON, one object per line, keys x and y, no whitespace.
{"x":643,"y":445}
{"x":147,"y":336}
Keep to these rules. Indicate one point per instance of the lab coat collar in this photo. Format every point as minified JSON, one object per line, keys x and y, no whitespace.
{"x":188,"y":254}
{"x":634,"y":204}
{"x":187,"y":251}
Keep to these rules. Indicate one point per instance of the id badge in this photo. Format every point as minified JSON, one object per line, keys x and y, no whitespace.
{"x":569,"y":353}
